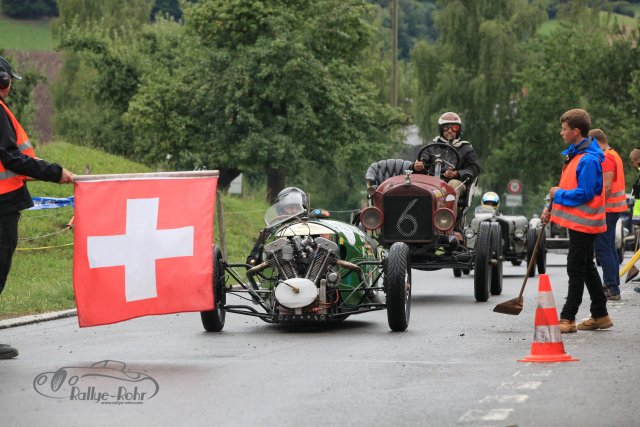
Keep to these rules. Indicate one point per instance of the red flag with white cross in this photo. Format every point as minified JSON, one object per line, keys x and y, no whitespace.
{"x":142,"y":245}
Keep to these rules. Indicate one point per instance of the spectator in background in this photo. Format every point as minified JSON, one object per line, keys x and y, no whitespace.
{"x":634,"y":156}
{"x":615,"y":202}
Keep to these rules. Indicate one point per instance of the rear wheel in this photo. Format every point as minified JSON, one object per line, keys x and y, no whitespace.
{"x":516,"y":262}
{"x":496,"y":253}
{"x":397,"y":285}
{"x":482,"y":275}
{"x":213,"y":321}
{"x":532,"y":235}
{"x":457,"y":272}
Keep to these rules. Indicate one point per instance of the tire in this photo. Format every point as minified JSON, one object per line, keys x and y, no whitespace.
{"x":466,"y":271}
{"x":213,"y":321}
{"x":482,"y":275}
{"x":620,"y":232}
{"x":516,"y":262}
{"x":496,"y":253}
{"x":397,"y":285}
{"x":541,"y":257}
{"x":532,"y":235}
{"x":457,"y":272}
{"x":620,"y":252}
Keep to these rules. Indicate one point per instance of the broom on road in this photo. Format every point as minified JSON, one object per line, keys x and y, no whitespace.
{"x":514,"y":306}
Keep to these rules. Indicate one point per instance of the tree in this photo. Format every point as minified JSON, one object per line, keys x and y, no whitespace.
{"x":22,"y":9}
{"x":168,"y":7}
{"x":243,"y":86}
{"x":583,"y":64}
{"x":21,"y":100}
{"x":470,"y":68}
{"x":282,"y":88}
{"x":100,"y":72}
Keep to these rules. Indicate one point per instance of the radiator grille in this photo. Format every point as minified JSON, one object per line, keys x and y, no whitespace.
{"x":407,"y":218}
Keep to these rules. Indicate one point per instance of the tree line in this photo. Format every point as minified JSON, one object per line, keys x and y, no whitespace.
{"x":295,"y":92}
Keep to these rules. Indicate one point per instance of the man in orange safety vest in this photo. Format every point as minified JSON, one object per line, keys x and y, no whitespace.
{"x":578,"y":203}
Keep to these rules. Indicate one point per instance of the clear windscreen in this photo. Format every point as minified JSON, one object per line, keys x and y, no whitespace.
{"x":290,"y":206}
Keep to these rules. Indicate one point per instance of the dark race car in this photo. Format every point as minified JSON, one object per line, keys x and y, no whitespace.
{"x":517,"y":235}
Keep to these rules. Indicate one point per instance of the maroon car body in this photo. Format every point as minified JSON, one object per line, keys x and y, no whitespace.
{"x":425,"y":213}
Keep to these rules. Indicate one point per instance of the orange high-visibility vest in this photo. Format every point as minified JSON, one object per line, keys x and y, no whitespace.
{"x":10,"y":181}
{"x":616,"y":201}
{"x":587,"y":218}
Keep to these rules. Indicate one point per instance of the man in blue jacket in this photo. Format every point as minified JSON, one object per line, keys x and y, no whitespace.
{"x":579,"y":205}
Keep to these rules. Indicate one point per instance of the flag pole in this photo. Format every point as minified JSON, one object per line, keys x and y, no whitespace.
{"x":155,"y":175}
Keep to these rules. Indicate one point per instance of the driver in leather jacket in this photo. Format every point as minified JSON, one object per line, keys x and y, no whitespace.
{"x":450,"y":127}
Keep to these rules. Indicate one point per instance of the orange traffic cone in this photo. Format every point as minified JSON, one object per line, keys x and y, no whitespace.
{"x":547,"y":343}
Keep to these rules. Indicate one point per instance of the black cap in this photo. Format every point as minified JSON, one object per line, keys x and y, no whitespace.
{"x":5,"y":66}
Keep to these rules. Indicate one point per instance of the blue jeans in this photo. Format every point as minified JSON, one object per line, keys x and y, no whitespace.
{"x":606,"y":254}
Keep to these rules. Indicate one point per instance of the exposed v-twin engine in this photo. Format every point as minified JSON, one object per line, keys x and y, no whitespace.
{"x":301,"y":263}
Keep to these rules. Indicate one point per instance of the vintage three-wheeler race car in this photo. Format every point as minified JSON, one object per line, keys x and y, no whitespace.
{"x":517,"y":234}
{"x":306,"y":269}
{"x":427,"y":214}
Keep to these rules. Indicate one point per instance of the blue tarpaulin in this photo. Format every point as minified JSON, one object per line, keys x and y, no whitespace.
{"x":51,"y":202}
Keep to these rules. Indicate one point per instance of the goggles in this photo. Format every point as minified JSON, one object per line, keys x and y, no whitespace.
{"x":454,"y":128}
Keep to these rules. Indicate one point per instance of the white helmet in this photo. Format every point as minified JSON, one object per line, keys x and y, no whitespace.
{"x":450,"y":118}
{"x":491,"y":199}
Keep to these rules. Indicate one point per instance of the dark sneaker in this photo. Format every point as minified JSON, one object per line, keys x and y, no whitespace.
{"x":611,"y":293}
{"x":567,"y":326}
{"x":594,"y":323}
{"x":7,"y":352}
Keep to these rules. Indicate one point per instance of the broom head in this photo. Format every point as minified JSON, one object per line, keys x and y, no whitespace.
{"x":513,"y":306}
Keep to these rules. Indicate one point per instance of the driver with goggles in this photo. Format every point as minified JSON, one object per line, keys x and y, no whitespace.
{"x":450,"y":127}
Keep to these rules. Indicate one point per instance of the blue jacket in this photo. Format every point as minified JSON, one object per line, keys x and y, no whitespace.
{"x":589,"y":174}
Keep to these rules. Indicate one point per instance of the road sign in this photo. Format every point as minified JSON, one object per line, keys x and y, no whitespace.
{"x":235,"y":187}
{"x":514,"y":186}
{"x":513,"y":200}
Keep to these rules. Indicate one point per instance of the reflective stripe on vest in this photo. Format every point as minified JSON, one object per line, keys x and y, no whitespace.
{"x":586,"y":218}
{"x":10,"y":181}
{"x":616,"y":201}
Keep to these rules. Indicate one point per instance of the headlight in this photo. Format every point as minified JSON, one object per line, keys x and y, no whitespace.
{"x":519,"y":233}
{"x":443,"y":219}
{"x":469,"y":232}
{"x":371,"y":218}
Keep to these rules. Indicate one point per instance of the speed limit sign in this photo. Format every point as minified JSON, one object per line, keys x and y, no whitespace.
{"x":514,"y":186}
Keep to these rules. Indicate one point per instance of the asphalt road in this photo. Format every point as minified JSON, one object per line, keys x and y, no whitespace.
{"x":456,"y":365}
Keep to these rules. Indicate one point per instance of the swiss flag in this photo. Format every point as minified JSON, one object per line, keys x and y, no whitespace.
{"x":142,"y":245}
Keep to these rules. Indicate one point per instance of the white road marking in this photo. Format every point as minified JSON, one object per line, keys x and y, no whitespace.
{"x":497,"y":414}
{"x":530,"y":385}
{"x":504,"y":398}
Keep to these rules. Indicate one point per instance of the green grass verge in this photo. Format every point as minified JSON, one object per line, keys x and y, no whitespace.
{"x":25,"y":35}
{"x":41,"y":279}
